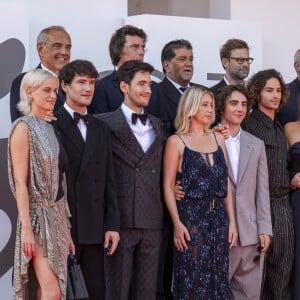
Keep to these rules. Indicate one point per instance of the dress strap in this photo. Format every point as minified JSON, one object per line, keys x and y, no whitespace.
{"x":216,"y":139}
{"x":181,"y":139}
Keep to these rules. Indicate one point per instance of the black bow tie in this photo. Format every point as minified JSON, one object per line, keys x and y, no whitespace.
{"x":86,"y":118}
{"x":143,"y":118}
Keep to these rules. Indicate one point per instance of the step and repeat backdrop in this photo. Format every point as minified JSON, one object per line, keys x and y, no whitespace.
{"x":90,"y":32}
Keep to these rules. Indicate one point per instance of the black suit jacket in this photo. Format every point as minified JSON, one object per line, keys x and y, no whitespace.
{"x":91,"y":186}
{"x":289,"y":112}
{"x":15,"y":96}
{"x":215,"y":89}
{"x":169,"y":99}
{"x":108,"y":97}
{"x":137,"y":173}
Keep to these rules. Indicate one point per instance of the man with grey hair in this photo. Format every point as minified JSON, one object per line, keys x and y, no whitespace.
{"x":289,"y":112}
{"x":234,"y":55}
{"x":54,"y":49}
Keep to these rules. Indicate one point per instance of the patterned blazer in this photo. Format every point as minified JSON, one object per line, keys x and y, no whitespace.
{"x":138,"y":174}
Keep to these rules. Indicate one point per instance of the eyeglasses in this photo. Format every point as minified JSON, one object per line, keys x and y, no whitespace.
{"x":241,"y":60}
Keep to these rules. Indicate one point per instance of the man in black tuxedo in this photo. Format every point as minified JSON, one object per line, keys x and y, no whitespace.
{"x":234,"y":55}
{"x":137,"y":143}
{"x":178,"y":67}
{"x":54,"y":49}
{"x":91,"y":186}
{"x":127,"y":43}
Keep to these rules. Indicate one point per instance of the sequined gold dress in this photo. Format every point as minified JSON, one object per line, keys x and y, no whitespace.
{"x":48,"y":216}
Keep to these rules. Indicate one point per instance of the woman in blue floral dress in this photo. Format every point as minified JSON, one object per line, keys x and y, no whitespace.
{"x":204,"y":226}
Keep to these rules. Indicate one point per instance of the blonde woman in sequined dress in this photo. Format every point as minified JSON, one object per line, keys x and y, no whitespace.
{"x":42,"y":235}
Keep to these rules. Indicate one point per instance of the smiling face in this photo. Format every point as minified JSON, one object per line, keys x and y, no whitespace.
{"x":235,"y":109}
{"x":43,"y":96}
{"x":79,"y":92}
{"x":137,"y":93}
{"x":180,"y":68}
{"x":55,"y":52}
{"x":270,"y":97}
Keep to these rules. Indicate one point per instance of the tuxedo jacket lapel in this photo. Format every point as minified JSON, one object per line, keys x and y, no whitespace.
{"x":114,"y":79}
{"x":69,"y":128}
{"x":158,"y":137}
{"x":90,"y":144}
{"x":123,"y":132}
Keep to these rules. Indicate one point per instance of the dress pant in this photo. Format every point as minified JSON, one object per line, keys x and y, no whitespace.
{"x":91,"y":260}
{"x":245,"y":272}
{"x":131,"y":272}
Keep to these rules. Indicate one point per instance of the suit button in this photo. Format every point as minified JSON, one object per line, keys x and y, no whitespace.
{"x":137,"y":169}
{"x":153,"y":171}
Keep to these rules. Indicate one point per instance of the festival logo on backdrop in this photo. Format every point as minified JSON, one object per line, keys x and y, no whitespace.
{"x":12,"y":53}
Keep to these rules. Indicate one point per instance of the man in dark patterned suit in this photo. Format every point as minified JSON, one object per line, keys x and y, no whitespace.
{"x":137,"y":144}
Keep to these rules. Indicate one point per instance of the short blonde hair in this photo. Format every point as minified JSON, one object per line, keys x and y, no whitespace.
{"x":188,"y":106}
{"x":297,"y":56}
{"x":32,"y":79}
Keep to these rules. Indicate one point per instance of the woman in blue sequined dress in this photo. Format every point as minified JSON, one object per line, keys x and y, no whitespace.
{"x":204,"y":226}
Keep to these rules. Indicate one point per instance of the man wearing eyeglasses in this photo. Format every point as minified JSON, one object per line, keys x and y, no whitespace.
{"x":236,"y":62}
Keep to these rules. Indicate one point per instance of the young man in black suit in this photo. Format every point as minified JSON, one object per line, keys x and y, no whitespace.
{"x":91,"y":186}
{"x":54,"y":49}
{"x":137,"y":143}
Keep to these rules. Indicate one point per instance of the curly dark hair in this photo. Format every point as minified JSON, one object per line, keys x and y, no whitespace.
{"x":258,"y":82}
{"x":222,"y":96}
{"x":118,"y":40}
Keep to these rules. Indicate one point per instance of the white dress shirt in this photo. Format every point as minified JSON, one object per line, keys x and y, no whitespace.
{"x":178,"y":86}
{"x":233,"y":145}
{"x":144,"y":134}
{"x":81,"y":124}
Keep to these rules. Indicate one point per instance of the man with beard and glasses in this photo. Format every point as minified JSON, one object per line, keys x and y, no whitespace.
{"x":234,"y":55}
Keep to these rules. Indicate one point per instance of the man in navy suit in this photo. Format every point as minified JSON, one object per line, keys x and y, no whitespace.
{"x":235,"y":60}
{"x":127,"y":43}
{"x":54,"y":49}
{"x":91,"y":186}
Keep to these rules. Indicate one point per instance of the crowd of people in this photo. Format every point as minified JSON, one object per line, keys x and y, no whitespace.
{"x":168,"y":190}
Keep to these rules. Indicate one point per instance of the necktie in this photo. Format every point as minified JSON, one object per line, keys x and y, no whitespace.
{"x":183,"y":89}
{"x":86,"y":118}
{"x":142,"y":117}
